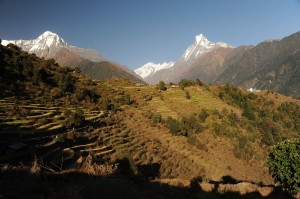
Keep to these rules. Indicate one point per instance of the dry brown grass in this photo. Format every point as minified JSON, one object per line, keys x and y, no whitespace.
{"x":92,"y":168}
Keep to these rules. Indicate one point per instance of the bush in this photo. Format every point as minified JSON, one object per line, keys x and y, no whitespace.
{"x":284,"y":162}
{"x":162,"y":86}
{"x":185,"y":83}
{"x":190,"y":124}
{"x":203,"y":115}
{"x":157,"y":118}
{"x":173,"y":125}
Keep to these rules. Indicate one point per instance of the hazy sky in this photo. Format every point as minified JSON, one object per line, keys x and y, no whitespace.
{"x":134,"y":32}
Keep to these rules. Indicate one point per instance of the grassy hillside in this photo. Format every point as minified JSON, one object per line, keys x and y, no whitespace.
{"x":86,"y":137}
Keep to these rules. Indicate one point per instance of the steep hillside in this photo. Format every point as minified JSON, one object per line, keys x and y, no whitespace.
{"x":73,"y":133}
{"x":272,"y":65}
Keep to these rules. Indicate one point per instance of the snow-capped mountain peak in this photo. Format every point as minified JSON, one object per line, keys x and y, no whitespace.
{"x":201,"y":46}
{"x":47,"y":40}
{"x":51,"y":38}
{"x":44,"y":42}
{"x":201,"y":40}
{"x":48,"y":34}
{"x":151,"y":68}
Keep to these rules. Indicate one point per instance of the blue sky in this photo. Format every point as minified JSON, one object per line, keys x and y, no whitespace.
{"x":134,"y":32}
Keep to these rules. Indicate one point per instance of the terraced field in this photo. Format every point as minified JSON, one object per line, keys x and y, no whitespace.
{"x":173,"y":156}
{"x":161,"y":107}
{"x":40,"y":131}
{"x":173,"y":103}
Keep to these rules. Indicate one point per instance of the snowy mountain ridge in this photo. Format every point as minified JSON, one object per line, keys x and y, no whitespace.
{"x":151,"y":68}
{"x":49,"y":43}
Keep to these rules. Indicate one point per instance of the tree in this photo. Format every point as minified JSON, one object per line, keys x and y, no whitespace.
{"x":39,"y":74}
{"x":187,"y":95}
{"x":284,"y":164}
{"x":162,"y":86}
{"x":74,"y":119}
{"x":200,"y":83}
{"x":65,"y":83}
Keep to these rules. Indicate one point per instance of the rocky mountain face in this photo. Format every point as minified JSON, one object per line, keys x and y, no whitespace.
{"x":50,"y":46}
{"x":211,"y":65}
{"x":173,"y":72}
{"x":271,"y":65}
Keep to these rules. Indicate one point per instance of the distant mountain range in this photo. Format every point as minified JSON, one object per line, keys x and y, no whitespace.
{"x":50,"y":46}
{"x":272,"y":65}
{"x":152,"y":73}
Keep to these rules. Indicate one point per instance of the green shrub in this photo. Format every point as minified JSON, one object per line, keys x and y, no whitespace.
{"x":203,"y":115}
{"x":242,"y":141}
{"x":248,"y":113}
{"x":284,"y":164}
